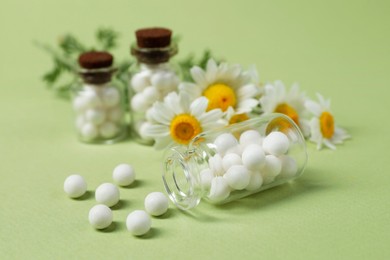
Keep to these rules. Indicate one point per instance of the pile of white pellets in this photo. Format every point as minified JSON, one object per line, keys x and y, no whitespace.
{"x":151,"y":84}
{"x":107,"y":195}
{"x":99,"y":112}
{"x":247,"y":164}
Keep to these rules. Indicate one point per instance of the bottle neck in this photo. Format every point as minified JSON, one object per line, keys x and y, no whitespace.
{"x":153,"y":55}
{"x":96,"y":76}
{"x":181,"y":177}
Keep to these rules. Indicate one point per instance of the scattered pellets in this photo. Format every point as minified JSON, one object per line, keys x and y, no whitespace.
{"x":138,"y":222}
{"x":107,"y":194}
{"x":100,"y":216}
{"x":123,"y":174}
{"x":156,"y":203}
{"x":231,"y":159}
{"x":250,"y":137}
{"x":276,"y":143}
{"x":255,"y":182}
{"x":75,"y":186}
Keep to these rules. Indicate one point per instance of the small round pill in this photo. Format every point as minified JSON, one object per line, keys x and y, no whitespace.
{"x":107,"y":194}
{"x":272,"y":168}
{"x":206,"y":176}
{"x":138,"y":222}
{"x":79,"y":104}
{"x":139,"y":103}
{"x":224,"y":142}
{"x":75,"y":186}
{"x":123,"y":174}
{"x":111,"y":97}
{"x":250,"y":137}
{"x":231,"y":159}
{"x":219,"y":190}
{"x":100,"y":216}
{"x":253,"y":157}
{"x":151,"y":94}
{"x":215,"y":164}
{"x":91,"y":98}
{"x":95,"y":115}
{"x":108,"y":129}
{"x":161,"y":80}
{"x":255,"y":182}
{"x":276,"y":143}
{"x":140,"y":81}
{"x":89,"y":131}
{"x":237,"y":177}
{"x":156,"y":203}
{"x":289,"y":167}
{"x":235,"y":149}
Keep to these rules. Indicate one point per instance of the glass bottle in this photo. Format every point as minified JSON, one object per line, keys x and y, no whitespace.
{"x":233,"y":162}
{"x":153,"y":78}
{"x":98,"y":101}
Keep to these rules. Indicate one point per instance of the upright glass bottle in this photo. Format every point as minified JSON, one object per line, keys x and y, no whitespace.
{"x":233,"y":162}
{"x":153,"y":78}
{"x":98,"y":101}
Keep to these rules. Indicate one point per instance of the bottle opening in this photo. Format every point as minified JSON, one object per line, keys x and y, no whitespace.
{"x":179,"y":181}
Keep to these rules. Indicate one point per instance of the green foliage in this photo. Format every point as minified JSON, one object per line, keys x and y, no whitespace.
{"x":63,"y":75}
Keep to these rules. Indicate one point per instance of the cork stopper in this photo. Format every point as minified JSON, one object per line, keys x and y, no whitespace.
{"x":95,"y":60}
{"x":153,"y":37}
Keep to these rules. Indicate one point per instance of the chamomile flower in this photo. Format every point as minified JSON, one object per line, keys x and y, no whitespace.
{"x":232,"y":117}
{"x":224,"y":86}
{"x":276,"y":99}
{"x":178,"y":120}
{"x":322,"y":125}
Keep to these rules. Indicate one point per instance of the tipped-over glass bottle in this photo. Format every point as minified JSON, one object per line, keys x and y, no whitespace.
{"x":153,"y":78}
{"x":233,"y":162}
{"x":98,"y":101}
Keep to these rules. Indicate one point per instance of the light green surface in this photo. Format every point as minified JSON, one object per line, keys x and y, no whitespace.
{"x":339,"y":209}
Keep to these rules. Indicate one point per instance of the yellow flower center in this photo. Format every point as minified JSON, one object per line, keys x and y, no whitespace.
{"x":238,"y":118}
{"x":220,"y":96}
{"x":184,"y":127}
{"x":327,"y":124}
{"x":288,"y":111}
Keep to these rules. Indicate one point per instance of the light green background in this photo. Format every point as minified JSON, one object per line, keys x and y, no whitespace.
{"x":339,"y":209}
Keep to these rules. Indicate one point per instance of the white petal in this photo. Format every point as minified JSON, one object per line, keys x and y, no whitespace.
{"x":154,"y":131}
{"x":162,"y":114}
{"x":313,"y":107}
{"x":163,"y":143}
{"x":247,"y":91}
{"x":198,"y":75}
{"x":247,"y":105}
{"x":329,"y":144}
{"x":211,"y":116}
{"x":199,"y":106}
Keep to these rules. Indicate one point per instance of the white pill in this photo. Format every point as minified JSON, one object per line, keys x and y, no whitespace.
{"x":206,"y":176}
{"x":255,"y":182}
{"x":138,"y":222}
{"x":115,"y":114}
{"x":111,"y":97}
{"x":231,"y":159}
{"x":100,"y":216}
{"x":276,"y":143}
{"x":108,"y":129}
{"x":95,"y":115}
{"x":289,"y":167}
{"x":156,"y":203}
{"x":224,"y":142}
{"x":150,"y":94}
{"x":107,"y":194}
{"x":253,"y":157}
{"x":250,"y":137}
{"x":91,"y":98}
{"x":237,"y":177}
{"x":89,"y":131}
{"x":215,"y":164}
{"x":75,"y":186}
{"x":238,"y":149}
{"x":140,"y":81}
{"x":139,"y":103}
{"x":79,"y":104}
{"x":219,"y":190}
{"x":272,"y":168}
{"x":161,"y":80}
{"x":123,"y":174}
